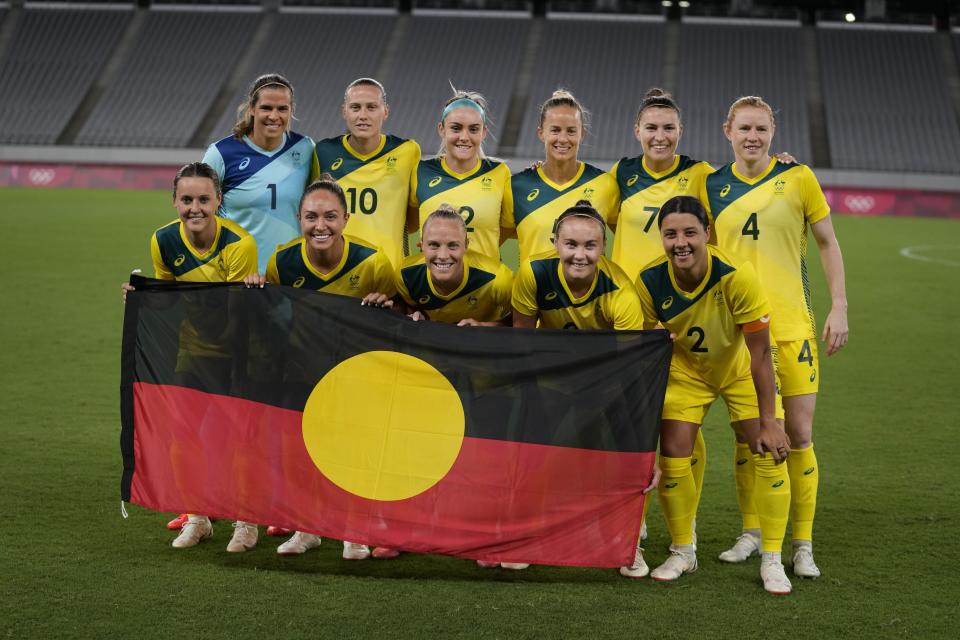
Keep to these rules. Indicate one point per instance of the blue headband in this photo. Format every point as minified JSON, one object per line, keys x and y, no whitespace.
{"x":463,"y":102}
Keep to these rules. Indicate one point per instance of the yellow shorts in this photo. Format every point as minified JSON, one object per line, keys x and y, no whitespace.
{"x":688,"y":399}
{"x":797,"y":366}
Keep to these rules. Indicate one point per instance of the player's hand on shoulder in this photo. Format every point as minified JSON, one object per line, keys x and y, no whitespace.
{"x":785,"y":158}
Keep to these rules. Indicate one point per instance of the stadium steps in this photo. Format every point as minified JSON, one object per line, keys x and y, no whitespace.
{"x":949,"y":44}
{"x":130,"y":37}
{"x":816,"y":112}
{"x":385,"y":68}
{"x":237,"y":82}
{"x":9,"y":18}
{"x":520,"y":96}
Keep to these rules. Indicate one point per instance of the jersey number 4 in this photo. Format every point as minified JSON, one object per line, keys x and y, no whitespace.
{"x":750,"y":228}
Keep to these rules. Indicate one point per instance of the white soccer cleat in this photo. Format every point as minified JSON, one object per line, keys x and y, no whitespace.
{"x":638,"y":569}
{"x":643,"y":529}
{"x":746,"y":546}
{"x":803,"y":564}
{"x":683,"y":559}
{"x":774,"y":578}
{"x":483,"y":564}
{"x":515,"y":566}
{"x":354,"y":551}
{"x":298,"y":543}
{"x":195,"y":529}
{"x":244,"y":537}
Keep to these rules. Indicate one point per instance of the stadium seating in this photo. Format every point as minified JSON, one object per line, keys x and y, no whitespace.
{"x":886,"y":101}
{"x":50,"y":64}
{"x":719,"y":63}
{"x":608,"y":65}
{"x":172,"y":75}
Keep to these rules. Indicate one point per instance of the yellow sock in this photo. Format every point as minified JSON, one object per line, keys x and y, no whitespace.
{"x":804,"y":480}
{"x":678,"y":497}
{"x":698,"y":465}
{"x":772,"y":497}
{"x":744,"y":474}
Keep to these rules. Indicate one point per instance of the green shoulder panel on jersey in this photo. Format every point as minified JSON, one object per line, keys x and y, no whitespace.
{"x":415,"y":279}
{"x":724,"y":188}
{"x":633,"y":178}
{"x":178,"y":257}
{"x":669,"y":302}
{"x":433,"y":180}
{"x":530,"y":192}
{"x":551,"y":294}
{"x":338,"y":162}
{"x":294,"y":273}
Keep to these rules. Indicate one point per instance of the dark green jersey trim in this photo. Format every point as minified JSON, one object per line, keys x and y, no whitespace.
{"x":290,"y":266}
{"x":415,"y":279}
{"x":332,"y":150}
{"x":432,"y":179}
{"x":630,"y":167}
{"x":173,"y":248}
{"x":719,"y":181}
{"x":552,"y":295}
{"x":530,"y":192}
{"x":667,"y":300}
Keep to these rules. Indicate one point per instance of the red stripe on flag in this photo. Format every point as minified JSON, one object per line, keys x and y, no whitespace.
{"x":502,"y":501}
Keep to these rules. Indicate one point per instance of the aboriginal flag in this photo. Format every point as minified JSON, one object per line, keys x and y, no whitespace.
{"x":309,"y":411}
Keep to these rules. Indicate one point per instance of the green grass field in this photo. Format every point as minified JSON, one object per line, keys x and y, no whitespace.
{"x":72,"y":567}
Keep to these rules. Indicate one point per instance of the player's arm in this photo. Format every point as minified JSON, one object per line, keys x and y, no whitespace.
{"x":771,"y":437}
{"x":242,"y":261}
{"x":160,"y":269}
{"x":524,"y":298}
{"x":835,"y":329}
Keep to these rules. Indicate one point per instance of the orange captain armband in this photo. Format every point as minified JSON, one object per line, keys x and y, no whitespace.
{"x":757,"y":325}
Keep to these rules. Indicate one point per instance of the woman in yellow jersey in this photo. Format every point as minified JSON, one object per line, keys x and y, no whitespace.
{"x":575,"y":287}
{"x":449,"y":283}
{"x":542,"y":193}
{"x":762,"y":210}
{"x":373,"y":169}
{"x":719,"y":317}
{"x":326,"y":259}
{"x":462,"y":175}
{"x":201,"y":247}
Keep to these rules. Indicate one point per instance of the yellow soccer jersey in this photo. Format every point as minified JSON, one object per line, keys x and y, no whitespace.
{"x":479,"y":195}
{"x":484,"y":295}
{"x":611,"y":303}
{"x":709,"y":345}
{"x":538,"y":202}
{"x":362,"y":270}
{"x":642,"y":193}
{"x":764,"y":220}
{"x":232,"y":256}
{"x":377,"y":188}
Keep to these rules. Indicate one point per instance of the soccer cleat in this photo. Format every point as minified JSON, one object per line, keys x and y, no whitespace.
{"x":244,"y":537}
{"x":178,"y":522}
{"x":683,"y":559}
{"x":803,"y":564}
{"x":774,"y":578}
{"x":196,"y":528}
{"x":483,"y":564}
{"x":298,"y":543}
{"x":643,"y":529}
{"x":638,"y":569}
{"x":515,"y":566}
{"x":383,"y":553}
{"x":746,"y":546}
{"x":354,"y":551}
{"x":274,"y":530}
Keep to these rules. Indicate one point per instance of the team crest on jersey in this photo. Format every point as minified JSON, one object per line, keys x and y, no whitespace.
{"x":472,"y":301}
{"x":391,"y":164}
{"x":355,"y":281}
{"x":588,"y":192}
{"x":424,"y":299}
{"x":779,"y":185}
{"x":533,"y":195}
{"x":336,"y":164}
{"x":179,"y":261}
{"x":299,"y":282}
{"x":682,"y":183}
{"x":435,"y":182}
{"x":486,"y":184}
{"x":725,"y":191}
{"x":667,"y":303}
{"x":296,"y":156}
{"x":632,"y":180}
{"x":221,"y":265}
{"x":718,"y":296}
{"x":244,"y":164}
{"x":550,"y":296}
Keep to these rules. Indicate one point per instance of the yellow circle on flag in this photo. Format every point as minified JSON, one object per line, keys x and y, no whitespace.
{"x":383,"y":425}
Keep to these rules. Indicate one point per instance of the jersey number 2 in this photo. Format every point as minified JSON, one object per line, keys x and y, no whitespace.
{"x":697,"y":331}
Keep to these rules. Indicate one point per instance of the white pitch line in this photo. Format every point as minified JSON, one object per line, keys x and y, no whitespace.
{"x":914,"y":254}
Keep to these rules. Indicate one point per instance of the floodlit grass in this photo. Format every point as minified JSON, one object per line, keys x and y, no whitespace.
{"x":72,"y":567}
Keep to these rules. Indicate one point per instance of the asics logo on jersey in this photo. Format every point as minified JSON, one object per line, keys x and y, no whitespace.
{"x":550,"y":296}
{"x":807,"y":472}
{"x":244,"y":164}
{"x":435,"y":181}
{"x":632,"y":180}
{"x":336,"y":164}
{"x":299,"y":282}
{"x":424,"y":299}
{"x":180,"y":260}
{"x":813,"y":376}
{"x":694,"y":461}
{"x":777,"y":484}
{"x":741,"y":462}
{"x":472,"y":301}
{"x":724,"y":191}
{"x":533,"y":195}
{"x":667,"y":303}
